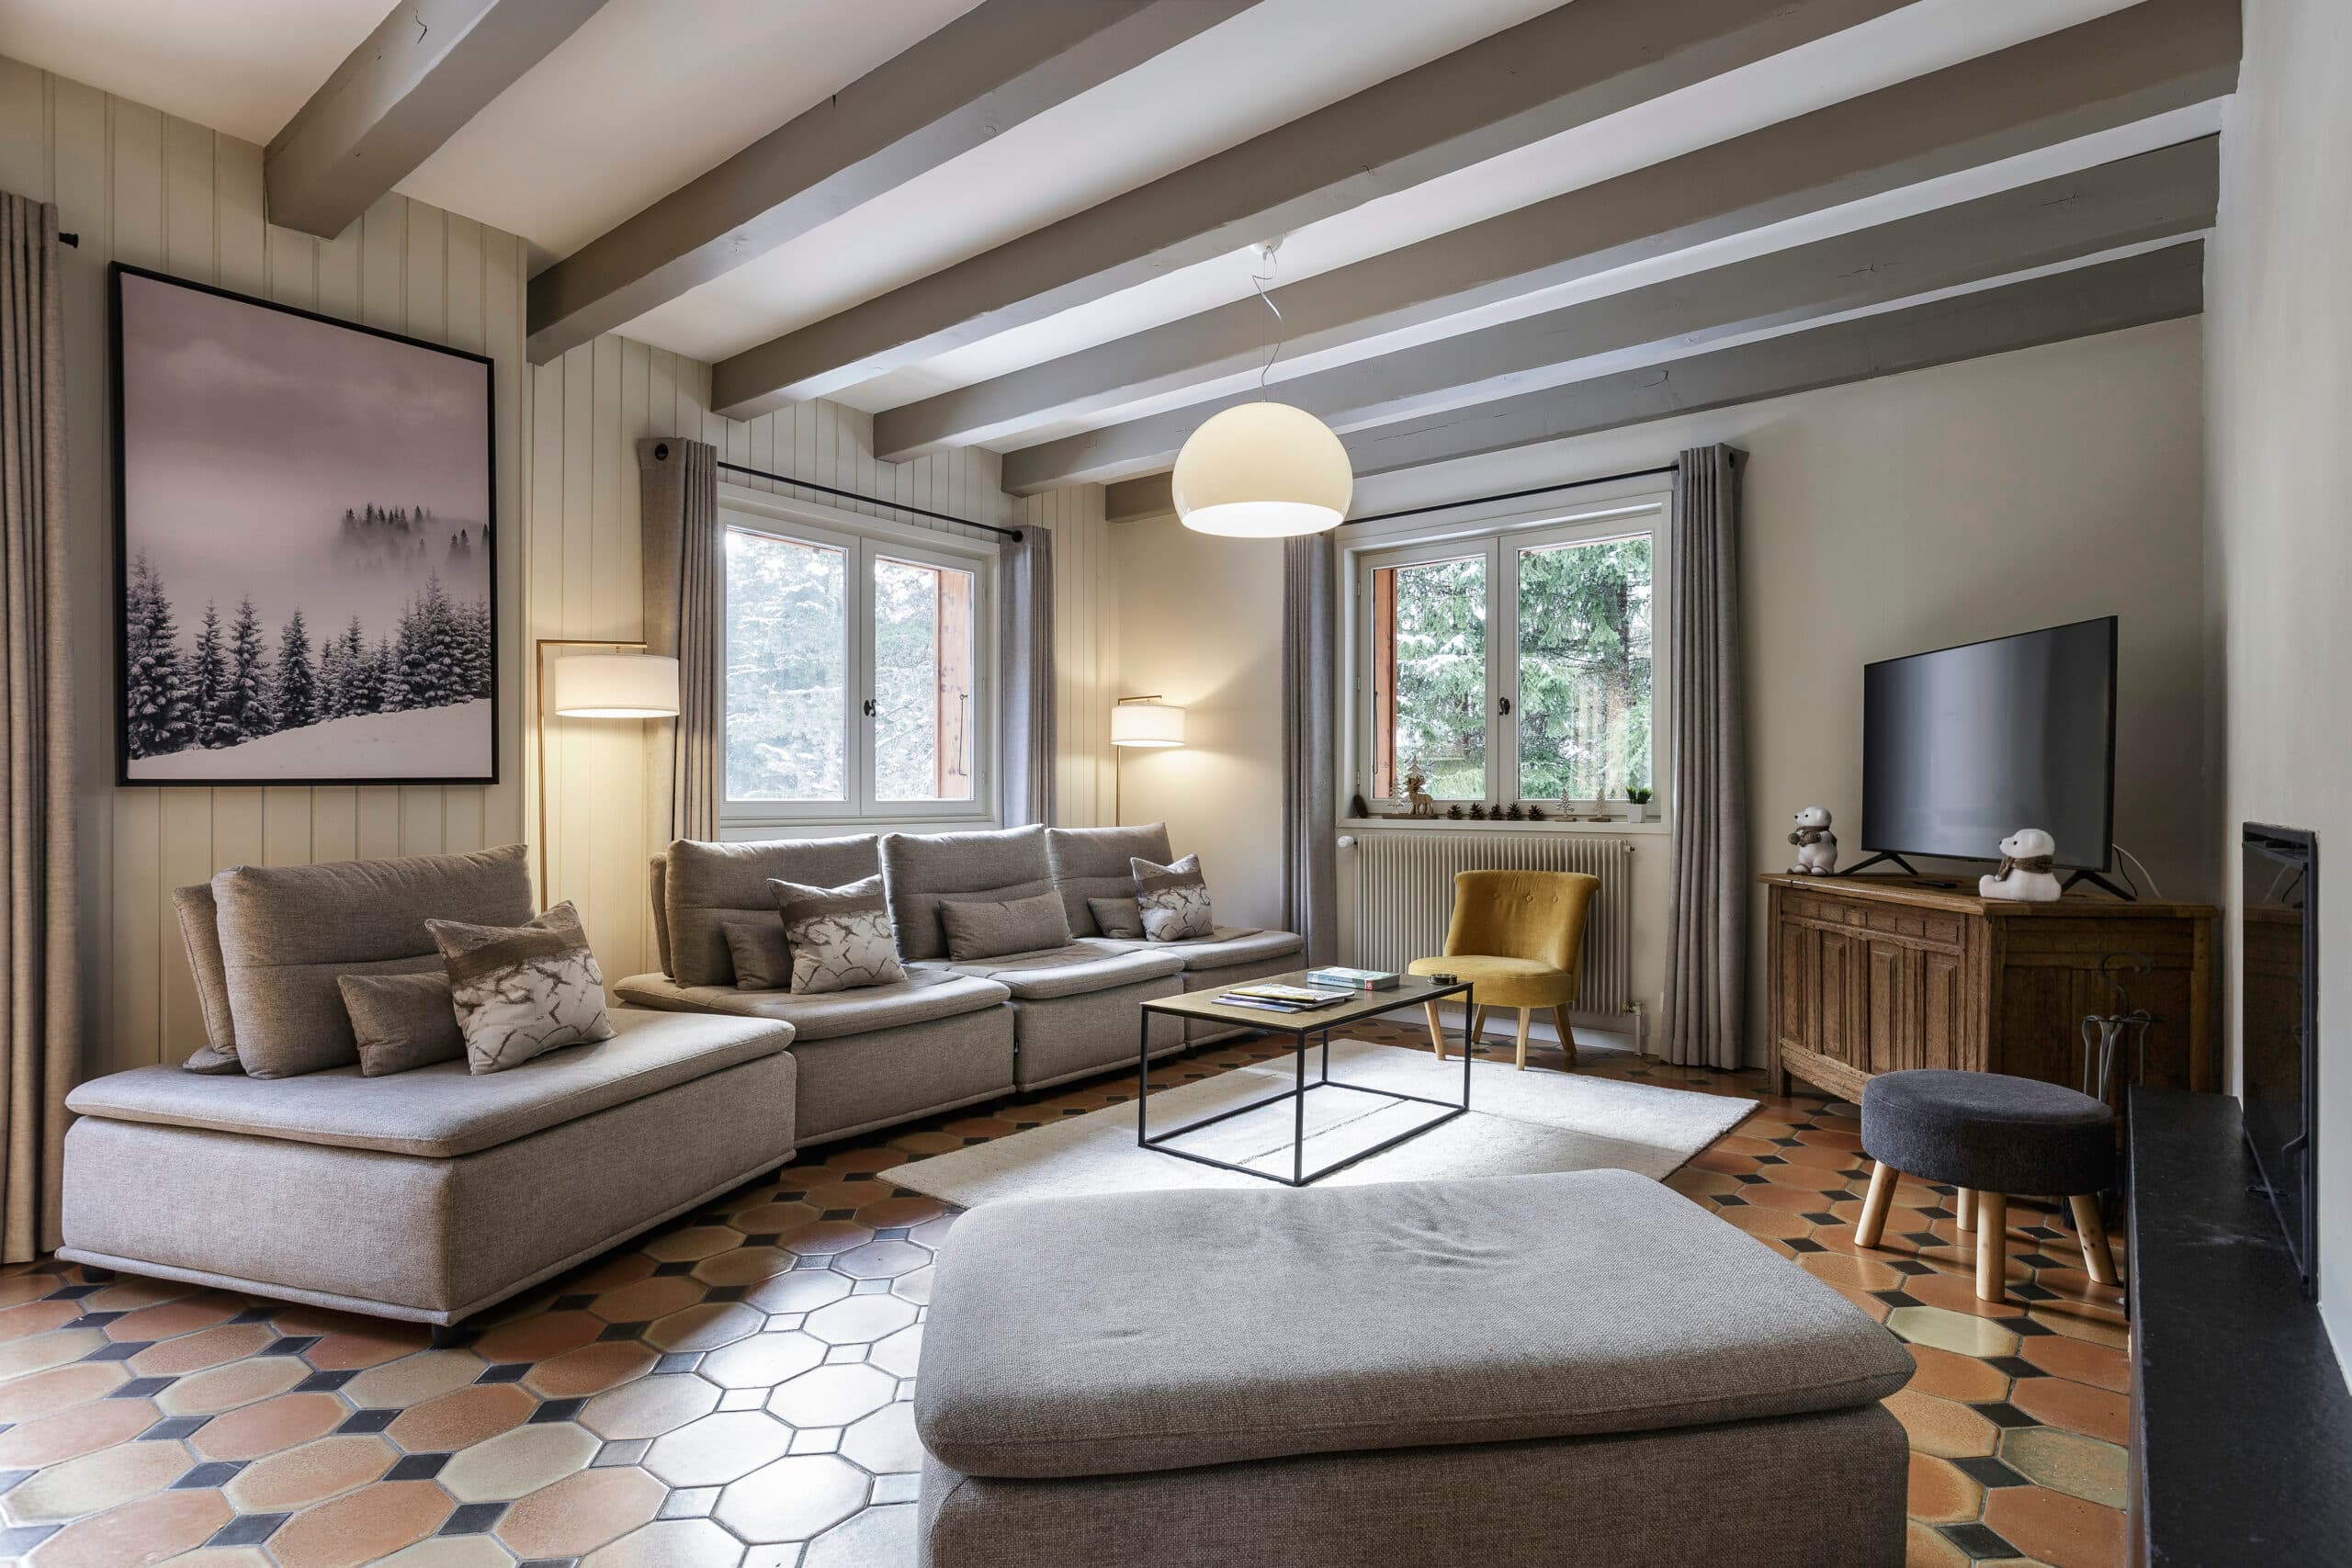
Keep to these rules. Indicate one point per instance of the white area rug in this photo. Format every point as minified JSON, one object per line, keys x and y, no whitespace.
{"x":1518,"y":1124}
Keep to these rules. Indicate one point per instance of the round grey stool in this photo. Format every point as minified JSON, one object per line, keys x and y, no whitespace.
{"x":1989,"y":1136}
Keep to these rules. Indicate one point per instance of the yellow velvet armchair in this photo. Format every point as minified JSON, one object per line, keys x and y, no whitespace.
{"x":1515,"y":937}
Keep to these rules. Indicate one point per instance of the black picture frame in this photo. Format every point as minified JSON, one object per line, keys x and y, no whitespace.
{"x":117,"y":272}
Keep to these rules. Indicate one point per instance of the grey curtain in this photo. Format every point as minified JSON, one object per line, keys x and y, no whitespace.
{"x":1310,"y":657}
{"x":1025,"y":707}
{"x":684,"y":584}
{"x":1706,"y":944}
{"x":36,"y":989}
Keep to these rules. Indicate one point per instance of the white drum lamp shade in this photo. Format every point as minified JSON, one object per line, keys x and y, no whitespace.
{"x":1157,"y":725}
{"x":1262,"y":471}
{"x":614,"y":686}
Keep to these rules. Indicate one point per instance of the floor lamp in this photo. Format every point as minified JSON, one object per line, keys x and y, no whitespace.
{"x":621,"y":681}
{"x":1145,"y":722}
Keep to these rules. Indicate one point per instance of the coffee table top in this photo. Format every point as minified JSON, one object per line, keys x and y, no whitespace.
{"x":1411,"y":990}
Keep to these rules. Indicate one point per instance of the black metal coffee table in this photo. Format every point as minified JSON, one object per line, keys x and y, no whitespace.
{"x":1302,"y":1028}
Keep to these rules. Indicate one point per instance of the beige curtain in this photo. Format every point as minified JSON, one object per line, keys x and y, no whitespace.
{"x":1706,"y":943}
{"x":678,"y":491}
{"x":37,"y":990}
{"x":1310,"y":659}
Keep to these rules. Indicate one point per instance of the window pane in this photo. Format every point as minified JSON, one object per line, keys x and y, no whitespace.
{"x":1429,"y":634}
{"x":922,"y":681}
{"x":787,"y":670}
{"x":1584,"y":670}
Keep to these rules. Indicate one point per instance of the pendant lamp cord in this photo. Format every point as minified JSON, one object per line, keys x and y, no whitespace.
{"x":1281,"y":327}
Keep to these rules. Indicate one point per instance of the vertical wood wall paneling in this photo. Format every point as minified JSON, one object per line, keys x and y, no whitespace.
{"x":144,"y":188}
{"x":1085,"y":647}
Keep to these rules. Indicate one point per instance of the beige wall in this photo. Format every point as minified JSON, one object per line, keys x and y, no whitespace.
{"x":140,"y":186}
{"x":2279,"y":336}
{"x":1882,"y":518}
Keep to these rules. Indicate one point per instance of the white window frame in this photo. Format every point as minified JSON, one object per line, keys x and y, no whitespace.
{"x":863,"y":540}
{"x":1495,"y":531}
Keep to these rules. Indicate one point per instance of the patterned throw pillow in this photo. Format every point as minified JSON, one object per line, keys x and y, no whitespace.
{"x":523,"y":990}
{"x":842,"y":939}
{"x":1118,"y":917}
{"x":1174,"y":900}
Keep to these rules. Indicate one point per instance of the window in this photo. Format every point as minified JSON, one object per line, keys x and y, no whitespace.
{"x":853,"y":668}
{"x":1512,"y":665}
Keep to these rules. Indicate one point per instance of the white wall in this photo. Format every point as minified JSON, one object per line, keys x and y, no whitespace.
{"x":1882,"y":518}
{"x":2279,"y":335}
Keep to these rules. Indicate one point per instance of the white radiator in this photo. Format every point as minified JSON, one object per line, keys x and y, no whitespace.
{"x":1405,"y":899}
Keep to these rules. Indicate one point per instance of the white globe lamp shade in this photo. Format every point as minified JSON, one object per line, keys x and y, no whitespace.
{"x":1147,"y":724}
{"x":616,"y":685}
{"x":1262,"y":471}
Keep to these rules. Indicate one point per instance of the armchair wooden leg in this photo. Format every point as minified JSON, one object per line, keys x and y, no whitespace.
{"x":1567,"y":1035}
{"x":2090,"y":1229}
{"x":1882,"y":1196}
{"x":1437,"y":1029}
{"x":1477,"y":1024}
{"x":1526,"y":1016}
{"x":1992,"y":1245}
{"x":1967,"y":1206}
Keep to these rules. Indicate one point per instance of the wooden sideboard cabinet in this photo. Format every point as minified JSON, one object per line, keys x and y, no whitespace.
{"x":1874,"y":974}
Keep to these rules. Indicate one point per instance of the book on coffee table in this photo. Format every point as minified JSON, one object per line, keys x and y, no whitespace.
{"x":1354,"y":979}
{"x":1282,"y":998}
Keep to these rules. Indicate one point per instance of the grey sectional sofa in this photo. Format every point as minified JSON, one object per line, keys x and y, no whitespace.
{"x":426,"y":1195}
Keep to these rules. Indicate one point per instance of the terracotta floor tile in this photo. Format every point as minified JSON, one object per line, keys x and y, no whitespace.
{"x":462,"y":1418}
{"x":2099,"y":1365}
{"x":183,"y":1316}
{"x":647,"y":1299}
{"x":270,"y":1426}
{"x":537,"y":1336}
{"x":705,"y":1327}
{"x":833,"y":1396}
{"x":1953,"y":1331}
{"x":1957,"y":1292}
{"x":743,"y":1266}
{"x":1925,"y":1546}
{"x":1861,"y":1271}
{"x":450,"y":1552}
{"x":901,"y":1209}
{"x":311,"y":1474}
{"x":17,"y":1289}
{"x":672,"y":1543}
{"x":765,"y":1359}
{"x":1940,"y":1494}
{"x":361,"y":1527}
{"x":859,"y":1320}
{"x":1767,"y":1222}
{"x":105,"y":1479}
{"x":59,"y":1388}
{"x":2063,"y":1531}
{"x":2076,"y":1326}
{"x":69,"y":1434}
{"x":149,"y":1530}
{"x":40,"y":1352}
{"x":412,"y":1379}
{"x":2078,"y":1407}
{"x":580,"y":1512}
{"x":1941,"y":1428}
{"x":37,"y":1317}
{"x":354,"y":1349}
{"x":1949,"y":1376}
{"x":718,"y":1448}
{"x":885,"y":1441}
{"x":793,"y":1498}
{"x":207,"y":1348}
{"x":803,"y":1290}
{"x":591,"y":1368}
{"x":620,"y":1268}
{"x":827,"y":1236}
{"x":216,"y":1389}
{"x":514,"y":1464}
{"x":690,"y":1244}
{"x":774,"y":1219}
{"x":2081,"y":1467}
{"x":649,"y":1406}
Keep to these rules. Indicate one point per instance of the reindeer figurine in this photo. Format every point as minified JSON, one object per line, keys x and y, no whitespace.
{"x":1417,"y":791}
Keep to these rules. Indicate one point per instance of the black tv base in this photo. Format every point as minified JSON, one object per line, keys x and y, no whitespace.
{"x":1860,"y":866}
{"x":2099,"y":881}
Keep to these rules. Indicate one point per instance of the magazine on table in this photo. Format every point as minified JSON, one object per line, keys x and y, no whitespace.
{"x":1281,"y":998}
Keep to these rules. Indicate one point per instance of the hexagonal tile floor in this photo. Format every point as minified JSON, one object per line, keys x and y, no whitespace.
{"x":733,"y":1390}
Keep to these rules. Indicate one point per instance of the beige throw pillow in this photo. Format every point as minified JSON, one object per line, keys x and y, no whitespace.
{"x":993,"y":927}
{"x":1174,"y":900}
{"x":842,"y":938}
{"x":402,"y":1021}
{"x":1119,"y":917}
{"x":523,"y":990}
{"x":762,"y":956}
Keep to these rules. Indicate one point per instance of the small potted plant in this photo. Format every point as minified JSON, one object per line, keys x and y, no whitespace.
{"x":1637,"y":804}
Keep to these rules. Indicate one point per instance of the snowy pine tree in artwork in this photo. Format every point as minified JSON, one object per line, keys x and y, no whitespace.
{"x":160,"y":715}
{"x":296,"y":695}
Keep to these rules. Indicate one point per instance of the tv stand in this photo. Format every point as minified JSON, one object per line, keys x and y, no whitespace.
{"x":2099,"y":881}
{"x":1860,"y":866}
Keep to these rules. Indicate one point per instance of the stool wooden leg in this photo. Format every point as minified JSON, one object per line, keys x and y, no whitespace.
{"x":1567,"y":1034}
{"x":1437,"y":1029}
{"x":1873,"y":1224}
{"x":1967,"y":1220}
{"x":1526,"y":1015}
{"x":2090,"y":1229}
{"x":1992,"y":1245}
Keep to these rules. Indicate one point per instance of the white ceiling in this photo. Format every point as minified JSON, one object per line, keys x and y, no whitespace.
{"x":242,"y":66}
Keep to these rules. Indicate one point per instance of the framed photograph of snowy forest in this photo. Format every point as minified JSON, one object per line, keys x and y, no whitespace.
{"x":305,"y":547}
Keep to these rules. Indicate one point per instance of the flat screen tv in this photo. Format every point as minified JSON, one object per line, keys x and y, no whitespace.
{"x":1964,"y":746}
{"x":2279,"y":1026}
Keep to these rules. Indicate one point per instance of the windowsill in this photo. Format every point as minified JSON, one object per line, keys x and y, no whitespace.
{"x":1614,"y":824}
{"x":743,"y":828}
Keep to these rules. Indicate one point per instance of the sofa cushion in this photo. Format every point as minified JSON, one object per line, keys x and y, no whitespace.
{"x":1174,"y":899}
{"x":762,"y":958}
{"x":1076,"y":970}
{"x":705,"y":886}
{"x":1225,"y":947}
{"x":403,"y":1021}
{"x":661,"y":878}
{"x":201,"y":931}
{"x":289,"y":932}
{"x":1092,"y":863}
{"x":442,"y":1111}
{"x":839,"y":937}
{"x":991,"y":928}
{"x":1093,"y":1335}
{"x":522,"y":991}
{"x":922,"y":868}
{"x":923,"y":995}
{"x":1121,"y":919}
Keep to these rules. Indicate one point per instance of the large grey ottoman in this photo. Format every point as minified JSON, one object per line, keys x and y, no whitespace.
{"x":1516,"y":1370}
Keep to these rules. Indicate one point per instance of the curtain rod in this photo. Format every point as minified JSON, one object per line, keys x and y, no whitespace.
{"x":1516,"y":494}
{"x":854,"y":495}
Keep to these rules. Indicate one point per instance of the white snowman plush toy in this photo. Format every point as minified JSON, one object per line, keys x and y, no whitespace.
{"x":2025,"y":873}
{"x":1816,"y":845}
